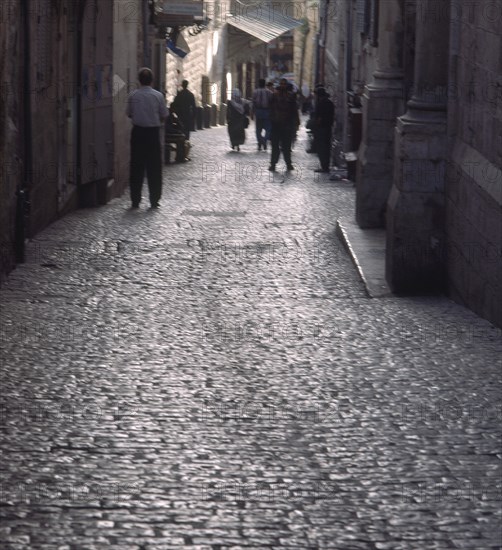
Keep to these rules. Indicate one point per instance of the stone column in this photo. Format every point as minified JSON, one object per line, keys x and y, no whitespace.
{"x":383,"y":102}
{"x":415,"y":212}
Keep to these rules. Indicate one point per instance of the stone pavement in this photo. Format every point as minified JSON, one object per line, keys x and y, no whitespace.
{"x":212,"y":375}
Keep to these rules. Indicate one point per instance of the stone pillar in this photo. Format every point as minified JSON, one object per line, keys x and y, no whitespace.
{"x":383,"y":102}
{"x":415,"y":211}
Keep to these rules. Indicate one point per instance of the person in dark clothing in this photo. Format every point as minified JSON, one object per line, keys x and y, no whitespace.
{"x":324,"y":116}
{"x":291,"y":89}
{"x":311,"y":121}
{"x":184,"y":106}
{"x":284,"y":118}
{"x":147,"y":109}
{"x":261,"y":111}
{"x":174,"y":131}
{"x":236,"y":117}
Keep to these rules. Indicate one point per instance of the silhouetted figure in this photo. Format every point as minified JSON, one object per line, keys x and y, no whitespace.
{"x":284,"y":117}
{"x":236,"y":119}
{"x":324,"y":116}
{"x":311,"y":121}
{"x":292,"y":90}
{"x":184,"y":106}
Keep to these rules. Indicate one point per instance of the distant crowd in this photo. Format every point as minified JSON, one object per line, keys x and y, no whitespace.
{"x":273,"y":108}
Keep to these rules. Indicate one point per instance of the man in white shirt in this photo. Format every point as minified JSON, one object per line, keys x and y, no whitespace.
{"x":147,"y":110}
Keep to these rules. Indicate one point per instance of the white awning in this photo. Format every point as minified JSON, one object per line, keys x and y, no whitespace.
{"x":264,"y":23}
{"x":183,"y":7}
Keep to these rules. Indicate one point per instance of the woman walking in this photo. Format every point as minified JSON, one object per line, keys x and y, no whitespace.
{"x":236,"y":118}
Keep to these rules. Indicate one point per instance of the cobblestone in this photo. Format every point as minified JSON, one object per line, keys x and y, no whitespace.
{"x":212,"y":375}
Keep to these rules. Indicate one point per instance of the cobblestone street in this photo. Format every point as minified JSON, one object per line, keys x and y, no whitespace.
{"x":212,"y":375}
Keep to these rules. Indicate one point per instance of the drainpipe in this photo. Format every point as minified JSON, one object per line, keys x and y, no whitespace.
{"x":317,"y":55}
{"x":324,"y":37}
{"x":320,"y":60}
{"x":348,"y":76}
{"x":80,"y":37}
{"x":146,"y":49}
{"x":22,"y":193}
{"x":305,"y":32}
{"x":348,"y":51}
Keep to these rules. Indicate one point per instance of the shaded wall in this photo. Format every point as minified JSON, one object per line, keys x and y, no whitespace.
{"x":474,"y":176}
{"x":126,"y":62}
{"x":11,"y":167}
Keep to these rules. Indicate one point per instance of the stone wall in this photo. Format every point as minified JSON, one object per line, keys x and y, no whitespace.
{"x":125,"y":67}
{"x":345,"y":31}
{"x":474,"y":176}
{"x":42,"y":121}
{"x":334,"y":62}
{"x":206,"y":59}
{"x":305,"y":41}
{"x":10,"y":128}
{"x":45,"y":115}
{"x":193,"y":67}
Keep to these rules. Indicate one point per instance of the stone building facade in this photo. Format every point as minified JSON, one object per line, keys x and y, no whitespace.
{"x":473,"y":171}
{"x":227,"y":55}
{"x":347,"y":57}
{"x":66,"y":67}
{"x":430,"y":157}
{"x":305,"y":42}
{"x":204,"y":65}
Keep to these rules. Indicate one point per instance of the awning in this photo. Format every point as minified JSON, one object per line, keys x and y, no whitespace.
{"x":180,"y":47}
{"x":264,"y":23}
{"x":177,"y":13}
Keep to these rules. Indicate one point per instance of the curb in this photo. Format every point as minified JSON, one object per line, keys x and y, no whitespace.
{"x":375,"y":287}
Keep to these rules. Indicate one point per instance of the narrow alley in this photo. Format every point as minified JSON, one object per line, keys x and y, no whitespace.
{"x":212,"y":375}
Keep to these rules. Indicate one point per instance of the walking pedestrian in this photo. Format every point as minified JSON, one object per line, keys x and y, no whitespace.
{"x":236,"y":119}
{"x":284,"y":118}
{"x":147,"y":110}
{"x":291,"y":89}
{"x":261,"y":111}
{"x":311,"y":121}
{"x":306,"y":98}
{"x":184,"y":106}
{"x":324,"y":116}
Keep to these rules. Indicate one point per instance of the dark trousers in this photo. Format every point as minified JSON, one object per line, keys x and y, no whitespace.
{"x":145,"y":155}
{"x":186,"y":122}
{"x":281,"y":138}
{"x":323,"y":146}
{"x":262,"y":122}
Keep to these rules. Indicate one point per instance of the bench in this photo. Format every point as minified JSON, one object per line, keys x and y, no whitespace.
{"x":174,"y":142}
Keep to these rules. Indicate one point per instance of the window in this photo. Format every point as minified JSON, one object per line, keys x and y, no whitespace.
{"x":367,"y":19}
{"x":360,"y":15}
